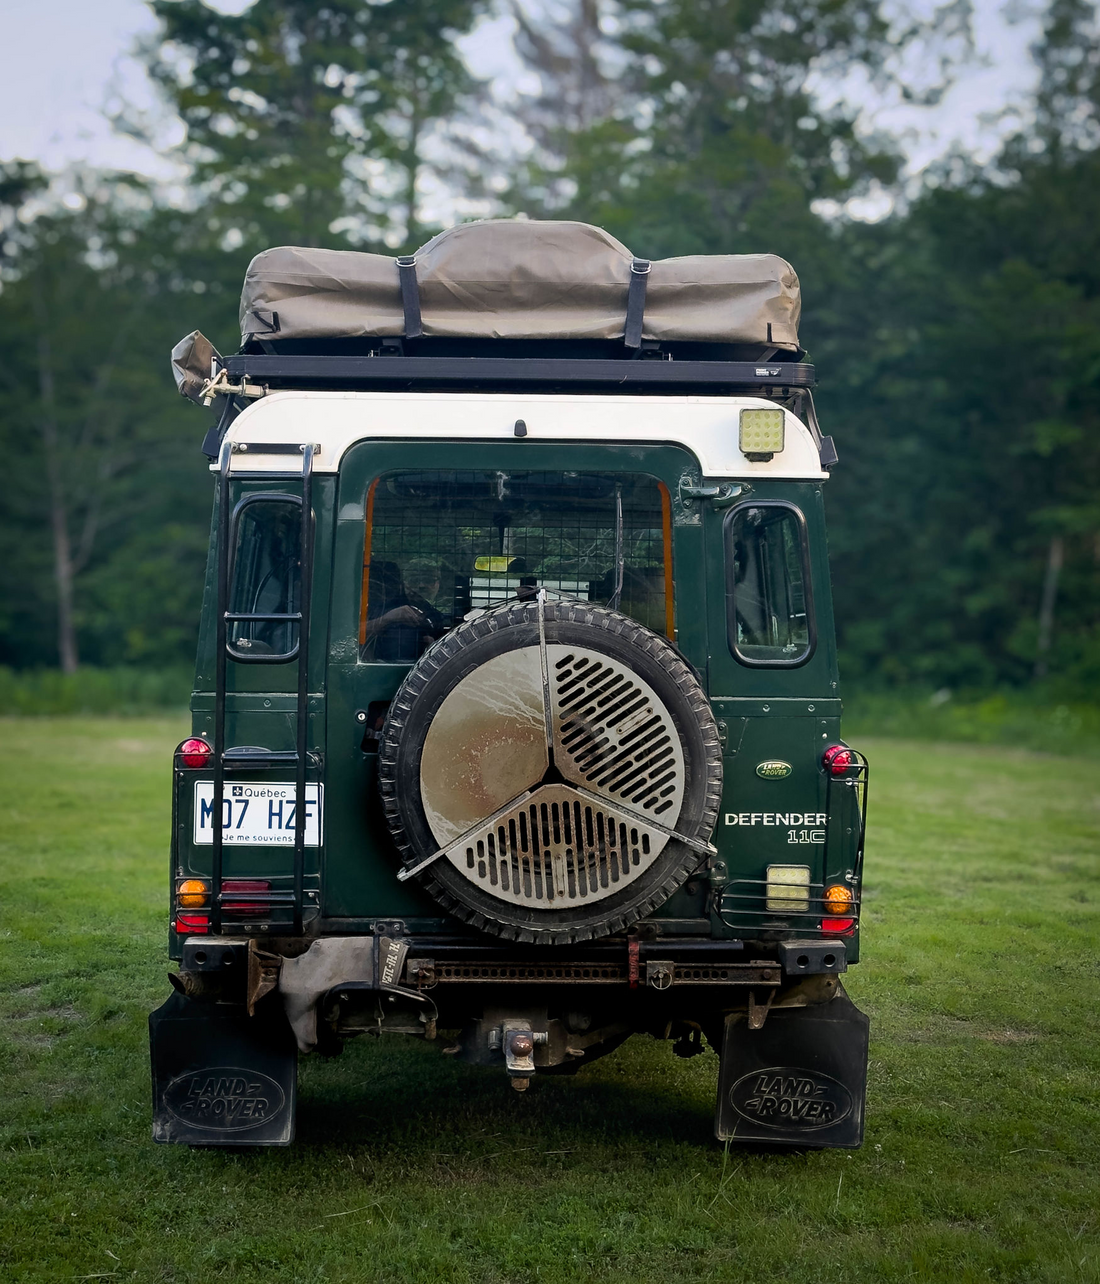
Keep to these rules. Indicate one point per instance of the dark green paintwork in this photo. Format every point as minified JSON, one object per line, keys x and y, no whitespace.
{"x":788,"y":714}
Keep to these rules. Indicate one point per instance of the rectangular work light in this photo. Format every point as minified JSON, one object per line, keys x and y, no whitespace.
{"x":788,"y":888}
{"x":762,"y":433}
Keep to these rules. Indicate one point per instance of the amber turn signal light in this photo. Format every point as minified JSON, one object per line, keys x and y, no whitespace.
{"x":838,"y":899}
{"x":193,"y":893}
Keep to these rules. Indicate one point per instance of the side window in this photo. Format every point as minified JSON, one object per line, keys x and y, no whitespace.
{"x":265,"y":578}
{"x":769,"y":607}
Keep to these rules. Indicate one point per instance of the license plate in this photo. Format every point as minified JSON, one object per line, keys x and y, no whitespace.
{"x":258,"y":813}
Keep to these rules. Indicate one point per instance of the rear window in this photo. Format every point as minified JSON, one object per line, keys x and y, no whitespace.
{"x":769,"y":609}
{"x":265,"y":578}
{"x":440,"y":545}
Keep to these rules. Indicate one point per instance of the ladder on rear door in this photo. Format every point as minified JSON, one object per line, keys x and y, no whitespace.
{"x":242,"y":759}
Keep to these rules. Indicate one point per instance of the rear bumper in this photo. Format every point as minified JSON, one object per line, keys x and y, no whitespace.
{"x":430,"y":962}
{"x":430,"y":982}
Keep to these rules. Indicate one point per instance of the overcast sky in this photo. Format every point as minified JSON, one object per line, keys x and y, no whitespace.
{"x":63,"y":60}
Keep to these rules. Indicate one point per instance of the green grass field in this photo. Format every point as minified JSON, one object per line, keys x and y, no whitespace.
{"x":981,"y":978}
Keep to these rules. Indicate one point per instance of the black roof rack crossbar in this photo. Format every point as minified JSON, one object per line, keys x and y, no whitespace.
{"x":286,"y":370}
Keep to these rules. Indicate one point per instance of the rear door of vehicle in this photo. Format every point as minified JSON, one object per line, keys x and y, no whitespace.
{"x":388,"y":532}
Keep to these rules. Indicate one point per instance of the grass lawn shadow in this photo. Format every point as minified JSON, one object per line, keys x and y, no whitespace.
{"x":386,"y":1092}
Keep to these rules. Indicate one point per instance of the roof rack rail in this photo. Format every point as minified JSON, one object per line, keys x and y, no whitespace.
{"x":279,"y":370}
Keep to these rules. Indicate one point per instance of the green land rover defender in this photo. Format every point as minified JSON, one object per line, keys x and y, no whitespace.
{"x":516,"y":723}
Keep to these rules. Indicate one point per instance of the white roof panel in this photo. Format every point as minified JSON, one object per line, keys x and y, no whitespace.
{"x":706,"y":426}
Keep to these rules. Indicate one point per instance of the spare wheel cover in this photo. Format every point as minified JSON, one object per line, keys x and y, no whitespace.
{"x":567,"y":767}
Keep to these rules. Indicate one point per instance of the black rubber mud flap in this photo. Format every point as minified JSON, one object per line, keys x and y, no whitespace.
{"x":800,"y":1080}
{"x":221,"y":1077}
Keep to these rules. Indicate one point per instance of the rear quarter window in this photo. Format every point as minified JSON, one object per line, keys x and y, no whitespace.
{"x":265,"y":578}
{"x":769,"y":604}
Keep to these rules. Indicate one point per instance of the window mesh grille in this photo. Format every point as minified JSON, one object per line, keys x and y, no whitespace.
{"x":447,"y":543}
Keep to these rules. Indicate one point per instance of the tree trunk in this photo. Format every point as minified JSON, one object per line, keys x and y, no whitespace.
{"x":59,"y":514}
{"x":1046,"y":606}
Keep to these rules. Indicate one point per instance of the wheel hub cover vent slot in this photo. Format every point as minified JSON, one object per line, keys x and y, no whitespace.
{"x":557,"y":849}
{"x":613,"y":738}
{"x":613,"y":735}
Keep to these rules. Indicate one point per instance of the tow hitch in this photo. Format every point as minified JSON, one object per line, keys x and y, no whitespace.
{"x":517,"y":1041}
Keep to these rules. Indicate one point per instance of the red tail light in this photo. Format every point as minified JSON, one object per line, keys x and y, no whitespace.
{"x":241,"y":885}
{"x":837,"y":759}
{"x":194,"y":754}
{"x":192,"y":925}
{"x":837,"y":926}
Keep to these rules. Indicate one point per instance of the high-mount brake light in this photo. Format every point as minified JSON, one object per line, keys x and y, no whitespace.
{"x":194,"y":753}
{"x":837,"y":759}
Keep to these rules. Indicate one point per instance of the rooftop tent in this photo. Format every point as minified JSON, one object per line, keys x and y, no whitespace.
{"x":520,"y":279}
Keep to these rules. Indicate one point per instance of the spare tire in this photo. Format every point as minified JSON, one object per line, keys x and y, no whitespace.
{"x":551,"y":772}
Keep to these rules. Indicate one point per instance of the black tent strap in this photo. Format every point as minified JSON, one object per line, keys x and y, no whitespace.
{"x":635,"y":303}
{"x":410,"y":296}
{"x":260,"y":322}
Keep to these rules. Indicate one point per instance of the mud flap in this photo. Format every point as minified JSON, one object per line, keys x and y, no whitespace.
{"x":800,"y":1080}
{"x":221,"y":1077}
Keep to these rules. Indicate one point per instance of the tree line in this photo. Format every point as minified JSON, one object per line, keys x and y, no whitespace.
{"x":957,"y":340}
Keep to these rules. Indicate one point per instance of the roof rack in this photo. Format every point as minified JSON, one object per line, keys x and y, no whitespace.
{"x":658,"y":374}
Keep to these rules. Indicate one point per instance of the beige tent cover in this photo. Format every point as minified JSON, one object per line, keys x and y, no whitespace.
{"x":520,"y":279}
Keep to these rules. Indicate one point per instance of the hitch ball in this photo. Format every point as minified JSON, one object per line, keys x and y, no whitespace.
{"x":521,"y":1046}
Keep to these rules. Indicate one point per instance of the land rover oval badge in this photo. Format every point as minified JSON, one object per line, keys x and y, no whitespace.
{"x":790,"y":1099}
{"x":224,"y":1098}
{"x":773,"y":769}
